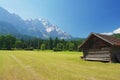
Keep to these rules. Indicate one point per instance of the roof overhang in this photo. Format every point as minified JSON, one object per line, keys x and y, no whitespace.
{"x":95,"y":34}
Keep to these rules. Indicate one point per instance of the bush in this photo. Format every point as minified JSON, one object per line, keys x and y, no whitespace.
{"x":31,"y":48}
{"x":56,"y":49}
{"x":71,"y":50}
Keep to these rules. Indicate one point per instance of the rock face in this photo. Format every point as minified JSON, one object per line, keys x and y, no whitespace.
{"x":40,"y":28}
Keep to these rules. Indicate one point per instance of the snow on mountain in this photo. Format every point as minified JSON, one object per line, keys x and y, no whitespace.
{"x":54,"y":30}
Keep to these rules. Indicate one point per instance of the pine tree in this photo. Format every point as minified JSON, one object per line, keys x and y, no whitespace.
{"x":56,"y":42}
{"x":50,"y":43}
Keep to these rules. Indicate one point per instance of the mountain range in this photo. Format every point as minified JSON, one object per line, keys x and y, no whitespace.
{"x":11,"y":23}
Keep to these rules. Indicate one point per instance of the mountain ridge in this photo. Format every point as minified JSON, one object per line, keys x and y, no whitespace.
{"x":39,"y":28}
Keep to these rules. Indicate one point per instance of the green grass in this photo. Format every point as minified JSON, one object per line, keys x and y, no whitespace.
{"x":48,"y":65}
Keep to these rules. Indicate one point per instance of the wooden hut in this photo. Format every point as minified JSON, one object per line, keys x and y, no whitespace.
{"x":101,"y":47}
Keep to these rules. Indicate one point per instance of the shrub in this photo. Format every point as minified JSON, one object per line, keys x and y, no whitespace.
{"x":56,"y":49}
{"x":31,"y":48}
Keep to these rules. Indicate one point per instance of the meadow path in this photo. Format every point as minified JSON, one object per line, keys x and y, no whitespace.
{"x":27,"y":68}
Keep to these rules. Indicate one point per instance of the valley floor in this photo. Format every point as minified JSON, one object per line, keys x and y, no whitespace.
{"x":48,"y":65}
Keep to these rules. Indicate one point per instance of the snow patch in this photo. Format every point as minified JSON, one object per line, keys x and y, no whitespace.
{"x":49,"y":29}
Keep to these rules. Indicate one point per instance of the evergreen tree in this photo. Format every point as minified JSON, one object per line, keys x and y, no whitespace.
{"x":9,"y":42}
{"x":42,"y":46}
{"x":56,"y":42}
{"x":50,"y":43}
{"x":71,"y":46}
{"x":64,"y":44}
{"x":18,"y":44}
{"x":2,"y":42}
{"x":60,"y":46}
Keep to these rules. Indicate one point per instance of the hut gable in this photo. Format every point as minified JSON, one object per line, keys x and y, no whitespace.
{"x":108,"y":39}
{"x":101,"y":47}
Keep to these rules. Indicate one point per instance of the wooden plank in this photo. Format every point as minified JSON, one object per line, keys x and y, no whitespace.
{"x":98,"y":59}
{"x":99,"y":52}
{"x":97,"y":56}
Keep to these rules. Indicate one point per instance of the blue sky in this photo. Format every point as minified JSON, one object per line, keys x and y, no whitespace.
{"x":77,"y":17}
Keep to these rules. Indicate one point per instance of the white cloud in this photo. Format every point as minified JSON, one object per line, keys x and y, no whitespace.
{"x":116,"y":31}
{"x":107,"y":33}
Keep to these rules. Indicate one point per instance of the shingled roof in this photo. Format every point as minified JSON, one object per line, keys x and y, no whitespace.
{"x":109,"y":39}
{"x":112,"y":40}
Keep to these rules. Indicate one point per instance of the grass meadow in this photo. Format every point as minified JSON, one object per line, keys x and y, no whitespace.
{"x":48,"y":65}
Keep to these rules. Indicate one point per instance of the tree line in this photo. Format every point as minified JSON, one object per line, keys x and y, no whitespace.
{"x":9,"y":42}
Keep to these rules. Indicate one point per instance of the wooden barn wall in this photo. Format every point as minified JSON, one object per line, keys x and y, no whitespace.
{"x":115,"y":56}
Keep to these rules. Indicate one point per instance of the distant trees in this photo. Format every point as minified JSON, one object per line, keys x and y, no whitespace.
{"x":10,"y":42}
{"x":116,"y":35}
{"x":7,"y":42}
{"x":19,"y":44}
{"x":50,"y":44}
{"x":2,"y":42}
{"x":55,"y":42}
{"x":71,"y":46}
{"x":60,"y":46}
{"x":43,"y":47}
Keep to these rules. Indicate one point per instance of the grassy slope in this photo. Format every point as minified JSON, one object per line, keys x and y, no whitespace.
{"x":47,"y":65}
